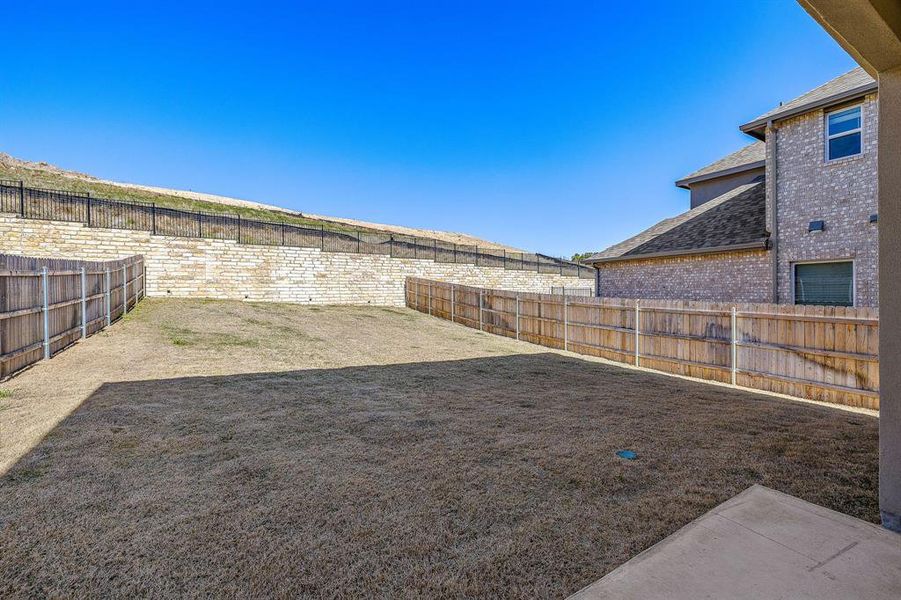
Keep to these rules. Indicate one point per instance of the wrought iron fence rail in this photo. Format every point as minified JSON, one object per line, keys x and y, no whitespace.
{"x":59,"y":205}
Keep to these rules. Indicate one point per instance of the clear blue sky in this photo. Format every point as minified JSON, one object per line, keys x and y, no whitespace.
{"x":556,"y":127}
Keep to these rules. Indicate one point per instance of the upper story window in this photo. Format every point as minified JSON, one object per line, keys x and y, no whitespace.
{"x":843,"y":133}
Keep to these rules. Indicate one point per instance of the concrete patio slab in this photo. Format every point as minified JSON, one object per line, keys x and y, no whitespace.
{"x":763,"y":544}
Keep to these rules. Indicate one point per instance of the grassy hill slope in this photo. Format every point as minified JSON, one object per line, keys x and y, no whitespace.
{"x":44,"y":175}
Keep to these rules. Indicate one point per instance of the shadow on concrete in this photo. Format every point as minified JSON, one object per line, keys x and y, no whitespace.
{"x":481,"y":477}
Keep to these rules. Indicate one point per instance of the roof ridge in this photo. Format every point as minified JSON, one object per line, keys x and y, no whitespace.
{"x":846,"y":86}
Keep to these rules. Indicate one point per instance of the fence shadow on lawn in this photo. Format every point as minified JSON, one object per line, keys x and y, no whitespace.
{"x":480,"y":477}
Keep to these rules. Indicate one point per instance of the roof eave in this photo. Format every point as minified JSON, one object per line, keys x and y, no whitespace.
{"x":687,"y":181}
{"x":756,"y":127}
{"x":761,"y":244}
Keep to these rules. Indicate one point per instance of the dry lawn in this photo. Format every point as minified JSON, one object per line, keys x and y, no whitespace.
{"x":244,"y":450}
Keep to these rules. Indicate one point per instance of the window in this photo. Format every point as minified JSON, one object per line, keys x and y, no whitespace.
{"x":843,"y":133}
{"x":824,"y":284}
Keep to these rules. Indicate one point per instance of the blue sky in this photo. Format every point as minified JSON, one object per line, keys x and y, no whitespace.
{"x":556,"y":127}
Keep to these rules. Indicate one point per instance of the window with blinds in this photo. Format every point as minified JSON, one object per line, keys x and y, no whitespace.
{"x":825,"y":284}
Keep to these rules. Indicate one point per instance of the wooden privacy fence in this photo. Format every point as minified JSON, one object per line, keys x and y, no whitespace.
{"x":47,"y":304}
{"x":815,"y":352}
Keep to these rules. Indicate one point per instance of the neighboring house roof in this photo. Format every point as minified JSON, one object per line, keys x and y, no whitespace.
{"x":752,"y":156}
{"x":734,"y":221}
{"x":853,"y":84}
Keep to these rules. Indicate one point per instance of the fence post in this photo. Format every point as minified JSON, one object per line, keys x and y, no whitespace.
{"x":435,"y":246}
{"x":109,"y":308}
{"x":322,"y":238}
{"x":200,"y":225}
{"x":45,"y":292}
{"x":734,"y":349}
{"x":455,"y":253}
{"x":238,"y":237}
{"x":480,"y":309}
{"x":505,"y":258}
{"x":153,"y":219}
{"x":358,"y":242}
{"x":637,"y":334}
{"x":517,"y":316}
{"x":84,"y":305}
{"x":453,"y":308}
{"x":430,"y":297}
{"x":124,"y":290}
{"x":89,"y":209}
{"x":391,"y":247}
{"x":565,"y":323}
{"x":22,"y":198}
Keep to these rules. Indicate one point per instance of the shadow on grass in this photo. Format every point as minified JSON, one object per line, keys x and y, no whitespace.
{"x":481,"y":477}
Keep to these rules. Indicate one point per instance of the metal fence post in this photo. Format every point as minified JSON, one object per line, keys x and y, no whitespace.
{"x":734,"y":349}
{"x":637,"y":334}
{"x":453,"y":308}
{"x":124,"y":290}
{"x":565,"y":324}
{"x":22,"y":198}
{"x":46,"y":295}
{"x":480,"y":309}
{"x":84,"y":304}
{"x":322,"y":238}
{"x":517,"y":316}
{"x":153,"y":219}
{"x":89,"y":209}
{"x":109,"y":303}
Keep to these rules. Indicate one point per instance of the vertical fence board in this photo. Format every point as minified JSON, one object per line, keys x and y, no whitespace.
{"x":69,"y":302}
{"x":820,"y":353}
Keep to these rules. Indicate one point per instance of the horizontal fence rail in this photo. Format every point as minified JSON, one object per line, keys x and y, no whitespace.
{"x":815,"y":352}
{"x":48,"y":304}
{"x":56,"y":205}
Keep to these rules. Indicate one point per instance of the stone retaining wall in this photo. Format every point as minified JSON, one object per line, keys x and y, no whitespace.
{"x":193,"y":267}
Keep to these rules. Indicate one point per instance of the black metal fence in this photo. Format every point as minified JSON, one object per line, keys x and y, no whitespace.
{"x":58,"y":205}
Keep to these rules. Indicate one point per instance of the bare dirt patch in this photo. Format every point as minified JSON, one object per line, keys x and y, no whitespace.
{"x":229,"y":449}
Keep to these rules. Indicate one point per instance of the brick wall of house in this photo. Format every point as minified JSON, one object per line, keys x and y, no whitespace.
{"x":190,"y":267}
{"x":842,"y":193}
{"x":742,"y":276}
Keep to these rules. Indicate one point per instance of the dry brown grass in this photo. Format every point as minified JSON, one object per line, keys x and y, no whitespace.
{"x":227,"y":449}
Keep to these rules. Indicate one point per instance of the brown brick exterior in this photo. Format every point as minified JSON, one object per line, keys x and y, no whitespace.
{"x":741,"y":276}
{"x":842,"y":193}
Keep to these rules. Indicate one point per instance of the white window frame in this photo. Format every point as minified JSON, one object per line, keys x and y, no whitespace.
{"x":829,"y":138}
{"x":827,"y":260}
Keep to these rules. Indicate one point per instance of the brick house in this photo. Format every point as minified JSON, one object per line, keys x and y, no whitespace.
{"x":790,"y":218}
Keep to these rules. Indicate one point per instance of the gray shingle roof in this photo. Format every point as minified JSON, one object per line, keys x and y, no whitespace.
{"x":750,"y":157}
{"x":735,"y":219}
{"x":853,"y":83}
